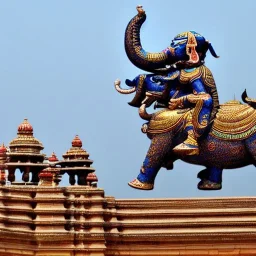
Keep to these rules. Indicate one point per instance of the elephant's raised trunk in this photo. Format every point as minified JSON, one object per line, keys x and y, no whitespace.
{"x":143,"y":113}
{"x":137,"y":55}
{"x":123,"y":91}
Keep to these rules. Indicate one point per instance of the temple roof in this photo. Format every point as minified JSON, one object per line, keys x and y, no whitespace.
{"x":25,"y":143}
{"x":53,"y":158}
{"x":92,"y":177}
{"x":25,"y":127}
{"x":76,"y":151}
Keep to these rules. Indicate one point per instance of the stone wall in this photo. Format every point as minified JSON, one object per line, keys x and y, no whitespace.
{"x":81,"y":220}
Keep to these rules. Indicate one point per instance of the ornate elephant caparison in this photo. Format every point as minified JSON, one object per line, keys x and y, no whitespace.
{"x":192,"y":126}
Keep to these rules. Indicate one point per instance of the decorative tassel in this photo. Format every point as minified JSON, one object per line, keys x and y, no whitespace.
{"x":191,"y":48}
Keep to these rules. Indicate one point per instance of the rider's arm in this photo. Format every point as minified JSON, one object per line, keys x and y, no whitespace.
{"x":198,"y":87}
{"x":199,"y":94}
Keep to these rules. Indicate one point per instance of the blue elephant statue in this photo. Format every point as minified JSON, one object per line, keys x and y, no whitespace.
{"x":192,"y":125}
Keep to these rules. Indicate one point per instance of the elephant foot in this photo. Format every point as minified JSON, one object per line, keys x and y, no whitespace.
{"x":139,"y":185}
{"x":209,"y":185}
{"x":203,"y":175}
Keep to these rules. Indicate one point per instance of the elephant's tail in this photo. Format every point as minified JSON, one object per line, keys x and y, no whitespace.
{"x":249,"y":101}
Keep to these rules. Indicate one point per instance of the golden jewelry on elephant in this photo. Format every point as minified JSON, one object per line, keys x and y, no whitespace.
{"x":234,"y":121}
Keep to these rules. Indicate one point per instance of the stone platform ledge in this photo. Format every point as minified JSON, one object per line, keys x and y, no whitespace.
{"x":89,"y":223}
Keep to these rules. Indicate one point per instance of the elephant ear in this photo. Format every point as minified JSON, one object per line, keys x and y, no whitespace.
{"x":137,"y":55}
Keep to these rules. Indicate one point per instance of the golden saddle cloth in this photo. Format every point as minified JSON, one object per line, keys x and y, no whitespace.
{"x":166,"y":120}
{"x":234,"y":121}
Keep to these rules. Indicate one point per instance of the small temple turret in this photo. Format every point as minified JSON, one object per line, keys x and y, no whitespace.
{"x":26,"y":148}
{"x":92,"y":179}
{"x":76,"y":163}
{"x":50,"y":176}
{"x":25,"y":154}
{"x":76,"y":152}
{"x":53,"y":158}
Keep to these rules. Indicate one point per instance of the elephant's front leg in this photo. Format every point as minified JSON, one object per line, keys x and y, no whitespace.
{"x":160,"y":146}
{"x":211,"y":179}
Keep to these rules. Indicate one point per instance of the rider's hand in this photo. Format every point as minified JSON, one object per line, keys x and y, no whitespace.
{"x":176,"y":103}
{"x":173,"y":104}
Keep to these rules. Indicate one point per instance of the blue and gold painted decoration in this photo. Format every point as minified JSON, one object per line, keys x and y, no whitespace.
{"x":192,"y":125}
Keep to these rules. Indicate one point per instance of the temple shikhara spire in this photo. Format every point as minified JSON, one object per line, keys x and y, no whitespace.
{"x":25,"y":154}
{"x":53,"y":158}
{"x":76,"y":152}
{"x":25,"y":147}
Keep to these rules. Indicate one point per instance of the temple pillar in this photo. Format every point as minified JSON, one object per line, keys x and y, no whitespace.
{"x":11,"y":174}
{"x":25,"y":170}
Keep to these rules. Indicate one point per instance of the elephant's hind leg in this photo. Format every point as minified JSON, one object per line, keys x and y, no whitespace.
{"x":159,"y":148}
{"x":211,"y":179}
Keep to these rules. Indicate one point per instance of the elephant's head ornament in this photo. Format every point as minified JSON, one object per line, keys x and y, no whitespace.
{"x":190,"y":47}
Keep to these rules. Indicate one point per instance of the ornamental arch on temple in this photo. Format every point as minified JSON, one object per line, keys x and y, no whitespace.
{"x":39,"y":217}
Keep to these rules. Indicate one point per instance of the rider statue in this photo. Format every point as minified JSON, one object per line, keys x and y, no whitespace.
{"x":185,"y":82}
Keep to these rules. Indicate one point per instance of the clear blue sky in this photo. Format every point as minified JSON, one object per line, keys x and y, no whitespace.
{"x":58,"y":62}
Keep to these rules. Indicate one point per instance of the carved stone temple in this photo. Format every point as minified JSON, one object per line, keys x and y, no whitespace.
{"x":40,"y":217}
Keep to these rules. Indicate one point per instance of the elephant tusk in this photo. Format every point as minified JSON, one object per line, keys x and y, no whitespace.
{"x":143,"y":113}
{"x":123,"y":91}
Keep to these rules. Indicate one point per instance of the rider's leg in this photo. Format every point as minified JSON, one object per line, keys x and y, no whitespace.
{"x":196,"y":124}
{"x":202,"y":114}
{"x":159,"y":148}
